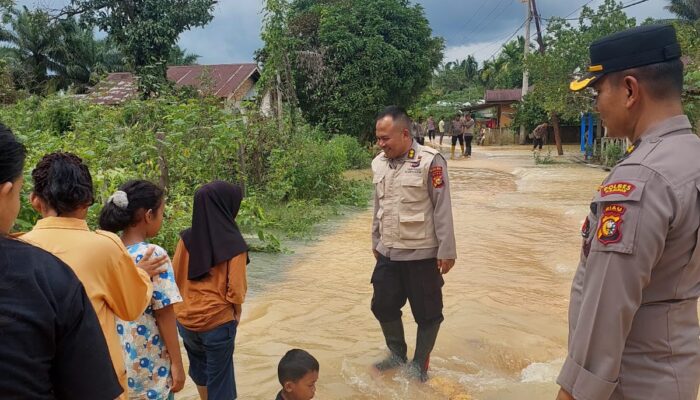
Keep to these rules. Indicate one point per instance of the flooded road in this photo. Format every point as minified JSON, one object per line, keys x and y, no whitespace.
{"x":505,"y":329}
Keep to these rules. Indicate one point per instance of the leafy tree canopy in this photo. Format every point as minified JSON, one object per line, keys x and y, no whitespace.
{"x":350,"y":59}
{"x":146,"y":30}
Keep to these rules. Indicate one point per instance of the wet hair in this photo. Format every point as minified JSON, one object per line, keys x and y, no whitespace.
{"x":663,"y":80}
{"x":141,"y":195}
{"x":12,"y":156}
{"x":295,"y":364}
{"x":63,"y":181}
{"x":397,"y":114}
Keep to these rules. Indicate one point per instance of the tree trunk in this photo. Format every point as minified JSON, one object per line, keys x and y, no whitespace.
{"x":162,"y":161}
{"x":557,"y":132}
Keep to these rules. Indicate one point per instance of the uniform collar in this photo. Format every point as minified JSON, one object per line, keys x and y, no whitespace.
{"x":663,"y":128}
{"x":411,"y":154}
{"x":669,"y":125}
{"x":62,"y":223}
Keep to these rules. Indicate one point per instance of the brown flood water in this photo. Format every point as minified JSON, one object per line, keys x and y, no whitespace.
{"x":505,"y":329}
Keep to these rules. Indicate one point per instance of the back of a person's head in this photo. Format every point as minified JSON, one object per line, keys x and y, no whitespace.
{"x":64,"y":182}
{"x":295,"y":364}
{"x":129,"y":203}
{"x":11,"y":157}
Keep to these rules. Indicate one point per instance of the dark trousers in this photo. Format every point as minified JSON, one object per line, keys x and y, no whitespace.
{"x":459,"y":138}
{"x":468,"y":145}
{"x":431,"y":134}
{"x":211,"y":359}
{"x":420,"y":140}
{"x":419,"y":282}
{"x":538,"y":142}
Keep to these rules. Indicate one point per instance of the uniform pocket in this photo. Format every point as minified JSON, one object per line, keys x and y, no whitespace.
{"x":378,"y":181}
{"x":412,"y":226}
{"x":412,"y":189}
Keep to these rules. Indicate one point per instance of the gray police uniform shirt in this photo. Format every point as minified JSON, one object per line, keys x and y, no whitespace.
{"x":442,"y":218}
{"x":633,"y":322}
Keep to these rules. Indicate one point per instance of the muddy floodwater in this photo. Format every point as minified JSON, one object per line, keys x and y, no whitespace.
{"x":504,"y":336}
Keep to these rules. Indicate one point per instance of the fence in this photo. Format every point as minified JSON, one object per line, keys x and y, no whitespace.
{"x":499,"y":137}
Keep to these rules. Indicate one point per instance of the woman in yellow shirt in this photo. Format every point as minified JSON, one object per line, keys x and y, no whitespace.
{"x":62,"y":193}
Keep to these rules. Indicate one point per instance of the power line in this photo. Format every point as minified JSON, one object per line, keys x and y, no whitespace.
{"x":483,"y":21}
{"x":508,"y":40}
{"x":489,"y":44}
{"x":628,"y":5}
{"x":573,"y":12}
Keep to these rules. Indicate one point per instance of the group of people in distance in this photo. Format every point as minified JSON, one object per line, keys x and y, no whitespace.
{"x":461,"y":129}
{"x":95,"y":314}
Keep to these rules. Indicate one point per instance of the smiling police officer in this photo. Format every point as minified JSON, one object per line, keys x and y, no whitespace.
{"x":633,"y":319}
{"x":412,"y":238}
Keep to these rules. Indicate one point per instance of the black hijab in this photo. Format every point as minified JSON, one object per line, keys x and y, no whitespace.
{"x":214,"y":236}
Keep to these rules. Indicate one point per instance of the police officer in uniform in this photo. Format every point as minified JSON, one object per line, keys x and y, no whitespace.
{"x":412,"y":238}
{"x":633,"y":319}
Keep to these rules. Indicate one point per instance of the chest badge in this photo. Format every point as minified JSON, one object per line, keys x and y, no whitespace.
{"x":610,"y":230}
{"x":411,"y":154}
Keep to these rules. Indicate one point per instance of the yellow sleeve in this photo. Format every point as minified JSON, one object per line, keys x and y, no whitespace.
{"x":128,"y":289}
{"x":237,"y":282}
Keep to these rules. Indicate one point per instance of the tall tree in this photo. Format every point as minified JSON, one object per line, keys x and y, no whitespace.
{"x":566,"y":52}
{"x":353,"y":58}
{"x":33,"y":43}
{"x":145,"y":30}
{"x":687,"y":10}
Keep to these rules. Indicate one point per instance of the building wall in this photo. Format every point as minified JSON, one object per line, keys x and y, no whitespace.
{"x":242,"y":90}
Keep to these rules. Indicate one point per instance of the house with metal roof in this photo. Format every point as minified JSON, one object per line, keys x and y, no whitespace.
{"x":232,"y":83}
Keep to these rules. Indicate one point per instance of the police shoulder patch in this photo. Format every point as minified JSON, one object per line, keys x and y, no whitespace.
{"x":610,"y":227}
{"x":437,"y":178}
{"x":623,"y":188}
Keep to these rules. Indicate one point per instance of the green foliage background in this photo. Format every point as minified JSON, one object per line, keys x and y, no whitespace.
{"x":200,"y":142}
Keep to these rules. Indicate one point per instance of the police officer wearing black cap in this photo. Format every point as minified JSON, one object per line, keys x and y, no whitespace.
{"x":633,"y":319}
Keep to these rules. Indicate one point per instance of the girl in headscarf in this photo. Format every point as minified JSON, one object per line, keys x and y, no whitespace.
{"x":210,"y":270}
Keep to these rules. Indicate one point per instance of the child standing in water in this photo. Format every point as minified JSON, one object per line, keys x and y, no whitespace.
{"x":210,"y":269}
{"x":150,"y":343}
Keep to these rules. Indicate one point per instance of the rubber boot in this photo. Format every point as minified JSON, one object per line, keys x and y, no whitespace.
{"x":425,"y":341}
{"x":461,"y":146}
{"x":396,"y":342}
{"x":452,"y":152}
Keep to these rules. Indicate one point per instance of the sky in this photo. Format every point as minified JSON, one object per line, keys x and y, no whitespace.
{"x":477,"y":27}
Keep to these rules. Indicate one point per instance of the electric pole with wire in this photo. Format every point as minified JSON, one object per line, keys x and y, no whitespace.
{"x":526,"y":74}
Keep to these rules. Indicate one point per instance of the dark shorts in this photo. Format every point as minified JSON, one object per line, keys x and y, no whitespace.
{"x":419,"y":282}
{"x":211,"y":359}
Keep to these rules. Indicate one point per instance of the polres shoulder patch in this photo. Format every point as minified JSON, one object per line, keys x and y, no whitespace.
{"x":621,"y":188}
{"x":437,"y":178}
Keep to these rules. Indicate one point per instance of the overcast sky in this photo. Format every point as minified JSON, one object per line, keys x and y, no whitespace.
{"x":476,"y":27}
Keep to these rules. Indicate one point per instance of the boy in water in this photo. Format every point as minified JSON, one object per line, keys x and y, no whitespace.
{"x":298,"y":373}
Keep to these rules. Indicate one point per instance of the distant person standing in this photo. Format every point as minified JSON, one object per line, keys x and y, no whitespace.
{"x":431,"y":129}
{"x":441,"y":128}
{"x":419,"y":131}
{"x":456,"y":133}
{"x":468,"y":128}
{"x":539,"y":134}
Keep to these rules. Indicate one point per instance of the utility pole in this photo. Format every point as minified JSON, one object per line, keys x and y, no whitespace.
{"x":526,"y":74}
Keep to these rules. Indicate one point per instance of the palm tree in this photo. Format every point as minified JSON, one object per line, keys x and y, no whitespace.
{"x":33,"y":44}
{"x":179,"y":56}
{"x":687,"y":10}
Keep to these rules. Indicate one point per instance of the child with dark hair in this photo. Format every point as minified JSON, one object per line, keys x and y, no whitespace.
{"x":150,"y":343}
{"x":52,"y":345}
{"x":210,"y":269}
{"x":62,"y":193}
{"x":297,"y":373}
